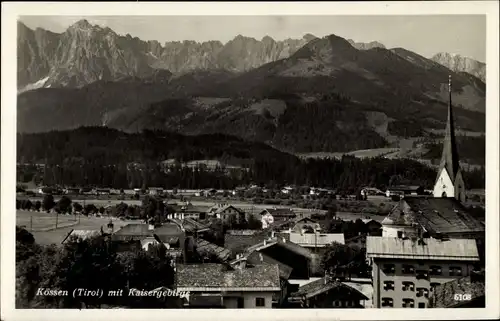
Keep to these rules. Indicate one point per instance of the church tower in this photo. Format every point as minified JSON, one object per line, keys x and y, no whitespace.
{"x":449,"y":181}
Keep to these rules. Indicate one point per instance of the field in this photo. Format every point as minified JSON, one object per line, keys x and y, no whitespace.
{"x":43,"y":225}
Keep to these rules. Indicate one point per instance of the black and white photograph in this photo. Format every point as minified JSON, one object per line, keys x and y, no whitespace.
{"x":262,"y":161}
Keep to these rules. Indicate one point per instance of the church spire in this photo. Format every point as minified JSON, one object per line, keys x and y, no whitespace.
{"x":449,"y":158}
{"x":449,"y":181}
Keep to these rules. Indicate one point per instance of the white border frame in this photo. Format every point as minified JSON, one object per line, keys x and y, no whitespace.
{"x":11,"y":10}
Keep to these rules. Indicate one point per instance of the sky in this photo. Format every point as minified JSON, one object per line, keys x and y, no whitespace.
{"x":423,"y":34}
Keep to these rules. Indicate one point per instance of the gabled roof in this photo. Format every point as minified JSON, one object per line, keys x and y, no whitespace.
{"x":279,"y":212}
{"x":238,"y":243}
{"x":261,"y":258}
{"x":142,"y":231}
{"x":430,"y":249}
{"x":219,"y":277}
{"x":222,"y":209}
{"x":443,"y":295}
{"x":191,"y":225}
{"x":435,"y":215}
{"x":316,"y":239}
{"x":222,"y":253}
{"x":325,"y":284}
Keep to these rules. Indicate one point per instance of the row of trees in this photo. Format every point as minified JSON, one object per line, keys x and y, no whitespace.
{"x":347,"y":174}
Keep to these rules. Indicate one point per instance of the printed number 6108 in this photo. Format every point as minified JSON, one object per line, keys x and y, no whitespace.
{"x":462,"y":297}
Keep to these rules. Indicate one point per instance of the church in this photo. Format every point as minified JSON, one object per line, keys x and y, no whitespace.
{"x":443,"y":214}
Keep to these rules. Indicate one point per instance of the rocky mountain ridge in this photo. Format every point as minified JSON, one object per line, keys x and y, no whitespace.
{"x":459,"y":63}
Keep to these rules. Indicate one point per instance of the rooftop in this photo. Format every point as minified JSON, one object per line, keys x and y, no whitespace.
{"x":238,"y":243}
{"x":316,"y":239}
{"x":219,"y":277}
{"x":443,"y":295}
{"x":325,"y":284}
{"x":432,"y":249}
{"x":279,"y":211}
{"x":435,"y":215}
{"x":261,"y":258}
{"x":205,"y":246}
{"x":142,"y":231}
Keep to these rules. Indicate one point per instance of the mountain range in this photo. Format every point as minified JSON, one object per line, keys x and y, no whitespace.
{"x":305,"y":95}
{"x":460,"y":63}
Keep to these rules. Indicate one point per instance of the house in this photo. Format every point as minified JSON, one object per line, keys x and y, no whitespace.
{"x":188,"y":210}
{"x":46,"y":190}
{"x":227,"y":213}
{"x":271,"y":215}
{"x":72,"y":191}
{"x":373,"y":227}
{"x":102,"y":191}
{"x":405,"y":271}
{"x":286,"y":252}
{"x":466,"y":292}
{"x":285,"y":272}
{"x":239,"y":191}
{"x":327,"y":293}
{"x":156,"y":191}
{"x":131,"y":236}
{"x":287,"y":190}
{"x":240,"y":288}
{"x":171,"y":245}
{"x":314,"y":241}
{"x":436,"y":217}
{"x":402,"y":190}
{"x":305,"y":224}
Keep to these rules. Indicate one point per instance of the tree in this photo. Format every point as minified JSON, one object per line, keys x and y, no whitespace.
{"x":331,"y":213}
{"x":90,"y":209}
{"x":38,"y":205}
{"x":63,"y":204}
{"x":77,"y":207}
{"x":48,"y":202}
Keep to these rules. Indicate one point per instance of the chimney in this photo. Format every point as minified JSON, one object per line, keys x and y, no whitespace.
{"x":272,"y":234}
{"x":284,"y":240}
{"x":261,"y":258}
{"x":264,"y":242}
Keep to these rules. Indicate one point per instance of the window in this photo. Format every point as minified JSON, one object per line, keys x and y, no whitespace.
{"x":422,"y":274}
{"x":387,"y":302}
{"x":408,"y":286}
{"x":421,"y":305}
{"x":400,"y":234}
{"x":408,"y":269}
{"x":408,"y":303}
{"x":389,"y":268}
{"x":337,"y":303}
{"x":388,"y":285}
{"x":260,"y":302}
{"x":435,"y":270}
{"x":455,"y":271}
{"x":240,"y":303}
{"x":434,"y":284}
{"x":422,"y":292}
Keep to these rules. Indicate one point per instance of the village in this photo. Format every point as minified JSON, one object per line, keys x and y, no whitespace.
{"x":424,"y":250}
